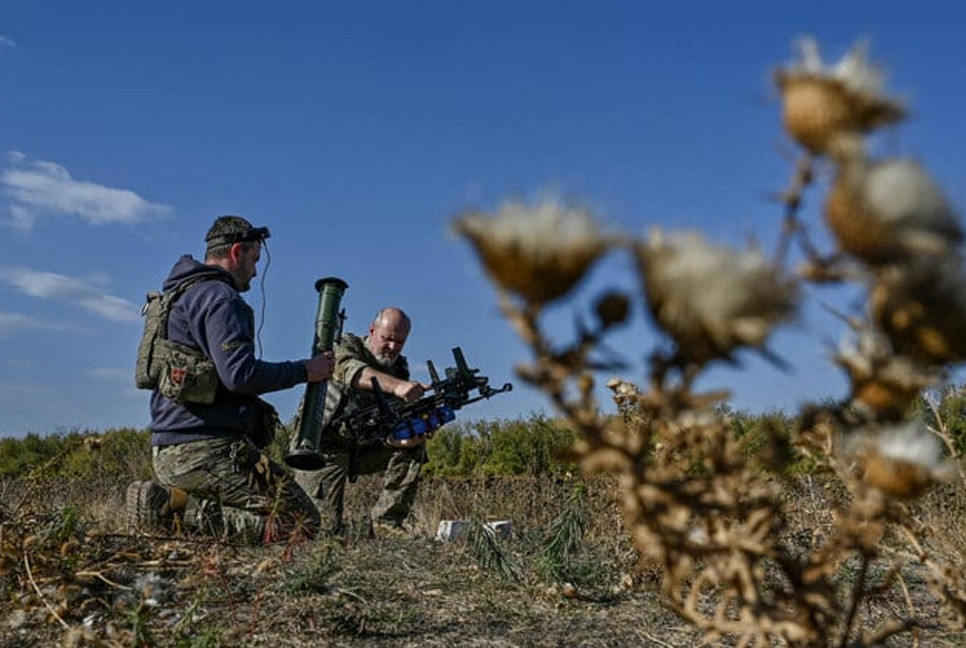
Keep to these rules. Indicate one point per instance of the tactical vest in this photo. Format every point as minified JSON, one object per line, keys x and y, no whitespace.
{"x":180,"y":372}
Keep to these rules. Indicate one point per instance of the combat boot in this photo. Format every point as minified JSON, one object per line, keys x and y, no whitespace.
{"x":151,"y":507}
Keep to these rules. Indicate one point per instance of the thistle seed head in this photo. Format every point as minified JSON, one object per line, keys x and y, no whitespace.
{"x":823,"y":104}
{"x":883,"y":384}
{"x":904,"y":460}
{"x":888,"y":210}
{"x":711,"y":299}
{"x":539,"y":252}
{"x":921,"y":307}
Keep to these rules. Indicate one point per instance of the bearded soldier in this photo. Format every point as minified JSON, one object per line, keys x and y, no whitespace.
{"x":358,"y":361}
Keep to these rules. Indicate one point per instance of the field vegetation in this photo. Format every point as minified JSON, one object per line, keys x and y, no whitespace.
{"x":568,"y":575}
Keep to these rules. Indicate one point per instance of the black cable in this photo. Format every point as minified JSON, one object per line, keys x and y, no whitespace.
{"x":261,"y":287}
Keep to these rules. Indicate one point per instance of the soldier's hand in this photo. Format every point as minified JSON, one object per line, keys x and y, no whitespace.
{"x":410,"y":391}
{"x":320,"y":367}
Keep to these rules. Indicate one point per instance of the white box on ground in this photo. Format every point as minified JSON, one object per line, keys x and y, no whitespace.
{"x":451,"y":530}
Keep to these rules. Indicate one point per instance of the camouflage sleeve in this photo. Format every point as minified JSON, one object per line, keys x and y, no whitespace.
{"x":350,"y":359}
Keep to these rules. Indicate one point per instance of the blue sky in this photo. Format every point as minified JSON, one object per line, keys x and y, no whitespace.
{"x":357,"y":130}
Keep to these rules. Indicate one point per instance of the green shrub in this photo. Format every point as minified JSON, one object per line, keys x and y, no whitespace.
{"x":75,"y":453}
{"x":523,"y":446}
{"x":502,"y":447}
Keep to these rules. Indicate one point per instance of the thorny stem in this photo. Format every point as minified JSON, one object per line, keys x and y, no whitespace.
{"x":911,"y":610}
{"x":526,"y":323}
{"x":792,"y":199}
{"x":523,"y":321}
{"x":857,"y":596}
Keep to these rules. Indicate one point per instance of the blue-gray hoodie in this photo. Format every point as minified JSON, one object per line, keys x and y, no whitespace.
{"x":212,"y":316}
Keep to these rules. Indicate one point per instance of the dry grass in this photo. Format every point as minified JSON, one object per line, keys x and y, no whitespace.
{"x":71,"y":577}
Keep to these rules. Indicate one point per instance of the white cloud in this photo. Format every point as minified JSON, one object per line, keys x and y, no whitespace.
{"x":83,"y":293}
{"x":40,"y":188}
{"x":11,"y":323}
{"x":21,"y":219}
{"x":6,"y":41}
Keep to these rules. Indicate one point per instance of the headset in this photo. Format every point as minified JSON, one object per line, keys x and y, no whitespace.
{"x":252,"y":234}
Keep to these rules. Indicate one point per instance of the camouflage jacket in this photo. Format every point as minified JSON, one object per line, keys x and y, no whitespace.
{"x":351,"y":357}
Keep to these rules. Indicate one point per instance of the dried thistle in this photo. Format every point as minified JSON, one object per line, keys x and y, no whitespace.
{"x":538,"y":252}
{"x":889,"y":210}
{"x":711,"y":299}
{"x":921,"y":307}
{"x":693,"y":499}
{"x":884,"y":385}
{"x":903,"y":460}
{"x":826,"y":106}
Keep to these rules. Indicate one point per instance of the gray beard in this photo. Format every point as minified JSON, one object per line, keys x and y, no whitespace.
{"x":384,"y":361}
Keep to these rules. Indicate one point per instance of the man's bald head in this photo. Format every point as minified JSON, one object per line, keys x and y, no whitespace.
{"x":387,"y":334}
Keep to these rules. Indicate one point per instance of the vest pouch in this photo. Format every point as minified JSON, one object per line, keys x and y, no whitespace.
{"x":187,"y":376}
{"x":147,"y":369}
{"x":151,"y":349}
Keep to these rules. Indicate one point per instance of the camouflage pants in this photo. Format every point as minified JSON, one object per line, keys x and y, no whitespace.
{"x":235,"y":491}
{"x":400,"y":481}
